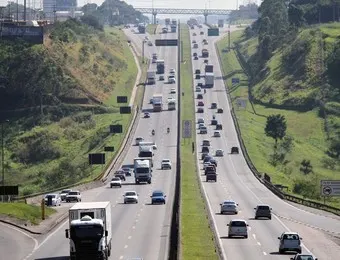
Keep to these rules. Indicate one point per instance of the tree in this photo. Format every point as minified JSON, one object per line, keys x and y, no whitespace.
{"x":276,"y":127}
{"x":306,"y":167}
{"x":91,"y":20}
{"x":295,"y":15}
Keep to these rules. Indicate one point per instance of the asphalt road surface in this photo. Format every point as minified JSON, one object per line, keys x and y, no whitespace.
{"x":139,"y":230}
{"x":236,"y":182}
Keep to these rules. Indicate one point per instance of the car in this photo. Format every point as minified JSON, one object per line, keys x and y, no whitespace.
{"x":53,"y":199}
{"x":219,"y":152}
{"x":205,"y":149}
{"x":213,"y":105}
{"x":158,"y":197}
{"x":173,"y":91}
{"x":234,"y":149}
{"x":303,"y":257}
{"x":120,"y":174}
{"x":203,"y":130}
{"x":150,"y":43}
{"x":214,"y":162}
{"x":199,"y":96}
{"x":229,"y":206}
{"x":195,"y":58}
{"x":130,"y":197}
{"x":209,"y":169}
{"x":205,"y":43}
{"x":171,"y":79}
{"x":201,"y":125}
{"x":200,"y":110}
{"x":146,"y":115}
{"x":204,"y":156}
{"x":220,"y":110}
{"x":214,"y":122}
{"x":63,"y":194}
{"x":193,"y":41}
{"x":128,"y":171}
{"x":290,"y":242}
{"x":263,"y":211}
{"x":200,"y":120}
{"x":166,"y":164}
{"x":200,"y":103}
{"x":151,"y":101}
{"x":219,"y":127}
{"x":217,"y":134}
{"x":211,"y":177}
{"x":237,"y":227}
{"x":198,"y":89}
{"x":194,"y":34}
{"x":138,"y":140}
{"x":116,"y":182}
{"x":172,"y":71}
{"x":161,"y":77}
{"x":195,"y":54}
{"x":197,"y":71}
{"x":205,"y":165}
{"x":73,"y":196}
{"x":201,"y":33}
{"x":206,"y":142}
{"x":206,"y":61}
{"x":197,"y":76}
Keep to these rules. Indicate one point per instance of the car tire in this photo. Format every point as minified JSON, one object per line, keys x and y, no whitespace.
{"x":230,"y":236}
{"x":246,"y":236}
{"x":221,"y":212}
{"x":281,"y":251}
{"x":299,"y":251}
{"x":163,"y":202}
{"x":256,"y":217}
{"x":270,"y":217}
{"x":124,"y":202}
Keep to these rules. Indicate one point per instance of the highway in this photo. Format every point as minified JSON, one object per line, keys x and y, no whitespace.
{"x":139,"y":230}
{"x":237,"y":182}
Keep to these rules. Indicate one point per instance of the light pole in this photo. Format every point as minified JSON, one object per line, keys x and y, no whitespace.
{"x":143,"y":50}
{"x":2,"y":159}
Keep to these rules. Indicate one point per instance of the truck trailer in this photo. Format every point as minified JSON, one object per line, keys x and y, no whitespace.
{"x":151,"y":77}
{"x":141,"y":28}
{"x":90,"y":232}
{"x":142,"y":170}
{"x":157,"y":102}
{"x":209,"y":79}
{"x":160,"y":66}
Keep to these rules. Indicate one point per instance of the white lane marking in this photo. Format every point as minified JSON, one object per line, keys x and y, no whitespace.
{"x":133,"y":227}
{"x":259,"y":200}
{"x":22,"y":232}
{"x":121,"y":257}
{"x":126,"y":246}
{"x":264,"y":253}
{"x":254,"y":236}
{"x":259,"y":243}
{"x":129,"y":237}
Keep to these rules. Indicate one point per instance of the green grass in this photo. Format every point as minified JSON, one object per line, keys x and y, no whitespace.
{"x":24,"y":212}
{"x":151,"y":28}
{"x":70,"y":137}
{"x":195,"y":234}
{"x":306,"y":128}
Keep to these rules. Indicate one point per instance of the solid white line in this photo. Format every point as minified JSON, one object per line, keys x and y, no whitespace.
{"x":24,"y":233}
{"x":254,"y":236}
{"x":259,"y":243}
{"x":129,"y":237}
{"x":126,"y":246}
{"x":121,"y":257}
{"x":264,"y":253}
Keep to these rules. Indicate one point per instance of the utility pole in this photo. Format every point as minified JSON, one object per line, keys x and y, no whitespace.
{"x":3,"y":159}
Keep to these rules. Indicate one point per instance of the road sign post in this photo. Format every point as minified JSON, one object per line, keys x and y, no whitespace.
{"x":235,"y":81}
{"x":187,"y":128}
{"x":330,"y":188}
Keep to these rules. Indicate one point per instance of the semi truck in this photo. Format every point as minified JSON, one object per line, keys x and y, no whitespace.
{"x":220,"y":23}
{"x":142,"y":169}
{"x":209,"y":79}
{"x":157,"y":102}
{"x":151,"y":77}
{"x":90,"y":232}
{"x":160,"y":66}
{"x":205,"y":53}
{"x":141,"y":28}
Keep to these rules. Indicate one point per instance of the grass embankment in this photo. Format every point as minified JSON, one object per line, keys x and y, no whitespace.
{"x":24,"y":212}
{"x":151,"y":28}
{"x":306,"y":128}
{"x":53,"y":152}
{"x":195,"y":235}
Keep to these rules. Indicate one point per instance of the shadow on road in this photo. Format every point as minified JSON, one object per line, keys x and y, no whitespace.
{"x":54,"y":258}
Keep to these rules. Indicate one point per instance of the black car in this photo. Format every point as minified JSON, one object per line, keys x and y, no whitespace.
{"x":195,"y":58}
{"x":211,"y":177}
{"x":199,"y":96}
{"x":207,"y":158}
{"x":205,"y":149}
{"x":213,"y":105}
{"x":220,"y":110}
{"x":127,"y":171}
{"x":204,"y":155}
{"x":234,"y":149}
{"x":200,"y":110}
{"x":197,"y":76}
{"x":263,"y":211}
{"x":218,"y":127}
{"x":214,"y":162}
{"x":197,"y":71}
{"x":214,"y":122}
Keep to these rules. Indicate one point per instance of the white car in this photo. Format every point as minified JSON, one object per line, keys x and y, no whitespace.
{"x":55,"y":199}
{"x":171,"y":80}
{"x":172,"y":71}
{"x":116,"y":182}
{"x":173,"y":91}
{"x":198,"y":89}
{"x":200,"y":120}
{"x":229,"y":206}
{"x":171,"y":99}
{"x":219,"y":152}
{"x":217,"y":134}
{"x":73,"y":196}
{"x":290,"y":242}
{"x":64,"y":193}
{"x":166,"y":164}
{"x":238,"y":228}
{"x":130,"y":197}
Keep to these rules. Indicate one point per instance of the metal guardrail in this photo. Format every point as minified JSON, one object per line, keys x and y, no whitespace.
{"x":269,"y":185}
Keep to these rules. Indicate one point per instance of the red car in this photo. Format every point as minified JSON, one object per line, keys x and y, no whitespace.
{"x":200,"y":104}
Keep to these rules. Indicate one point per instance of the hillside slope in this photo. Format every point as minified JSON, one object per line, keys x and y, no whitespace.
{"x":60,"y":99}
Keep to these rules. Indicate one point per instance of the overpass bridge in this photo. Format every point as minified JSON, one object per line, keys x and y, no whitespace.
{"x":205,"y":12}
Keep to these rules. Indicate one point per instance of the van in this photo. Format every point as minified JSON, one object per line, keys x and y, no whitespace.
{"x":206,"y":142}
{"x":238,"y":228}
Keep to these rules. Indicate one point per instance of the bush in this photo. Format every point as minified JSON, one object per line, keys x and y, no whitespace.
{"x":82,"y":117}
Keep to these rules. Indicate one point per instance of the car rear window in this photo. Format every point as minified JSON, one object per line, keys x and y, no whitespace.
{"x":263,"y":207}
{"x":290,"y":237}
{"x":238,"y":224}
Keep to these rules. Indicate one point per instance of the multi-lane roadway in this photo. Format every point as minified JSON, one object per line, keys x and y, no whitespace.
{"x":138,"y":230}
{"x":236,"y":182}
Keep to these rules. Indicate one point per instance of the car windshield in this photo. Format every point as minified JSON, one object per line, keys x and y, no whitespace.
{"x":290,"y":237}
{"x":238,"y":224}
{"x":73,"y":193}
{"x":50,"y":196}
{"x":229,"y":203}
{"x":130,"y":194}
{"x":116,"y":179}
{"x":157,"y":194}
{"x":263,"y":207}
{"x":304,"y":257}
{"x":65,"y":191}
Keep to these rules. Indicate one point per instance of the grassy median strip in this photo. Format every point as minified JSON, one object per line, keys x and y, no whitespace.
{"x":195,"y":234}
{"x":151,"y":28}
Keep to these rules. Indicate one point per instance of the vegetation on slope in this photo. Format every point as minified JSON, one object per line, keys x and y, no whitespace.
{"x":291,"y":72}
{"x":60,"y":99}
{"x":195,"y":234}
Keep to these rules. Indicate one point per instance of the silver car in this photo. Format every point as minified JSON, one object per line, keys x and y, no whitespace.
{"x":229,"y":206}
{"x":54,"y":199}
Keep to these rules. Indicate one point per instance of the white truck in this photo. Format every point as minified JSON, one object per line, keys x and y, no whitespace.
{"x":151,"y":77}
{"x":90,"y":231}
{"x":142,"y":170}
{"x":157,"y":102}
{"x":209,"y":79}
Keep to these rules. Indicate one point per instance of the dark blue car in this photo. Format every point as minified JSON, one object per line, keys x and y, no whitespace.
{"x":158,"y":197}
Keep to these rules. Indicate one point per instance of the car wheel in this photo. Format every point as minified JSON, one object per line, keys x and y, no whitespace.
{"x":299,"y":251}
{"x":124,"y":202}
{"x":256,"y":217}
{"x":221,"y":212}
{"x":163,"y":202}
{"x":246,"y":236}
{"x":281,"y":251}
{"x":230,"y":236}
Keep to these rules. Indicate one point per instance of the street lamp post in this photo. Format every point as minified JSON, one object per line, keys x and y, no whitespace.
{"x":143,"y":50}
{"x":2,"y":159}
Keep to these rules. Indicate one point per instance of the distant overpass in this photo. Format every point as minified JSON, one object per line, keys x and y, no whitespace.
{"x":205,"y":12}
